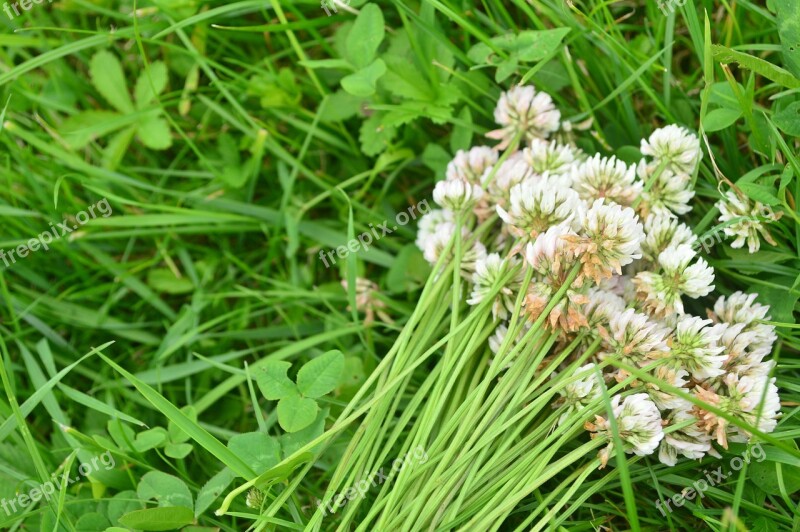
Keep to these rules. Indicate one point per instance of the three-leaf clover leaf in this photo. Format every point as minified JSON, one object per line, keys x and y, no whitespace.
{"x":137,"y":116}
{"x":297,"y":407}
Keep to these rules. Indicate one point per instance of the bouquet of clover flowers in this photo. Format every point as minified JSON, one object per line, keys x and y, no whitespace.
{"x":556,"y":302}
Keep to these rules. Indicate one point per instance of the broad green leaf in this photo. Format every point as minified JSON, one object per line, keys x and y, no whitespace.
{"x":121,"y":504}
{"x":153,"y":519}
{"x":321,"y":375}
{"x":294,"y":441}
{"x":365,"y":36}
{"x":154,"y":133}
{"x":788,"y":119}
{"x":150,"y":439}
{"x":362,"y":83}
{"x":375,"y":136}
{"x":273,"y":381}
{"x":720,"y":119}
{"x":765,"y":476}
{"x":166,"y":489}
{"x":178,"y":451}
{"x":506,"y":69}
{"x":163,"y":280}
{"x":762,"y":193}
{"x":91,"y":522}
{"x":296,"y":413}
{"x":212,"y":489}
{"x":258,"y":450}
{"x":788,"y":17}
{"x":144,"y":89}
{"x":108,"y":78}
{"x":757,"y":65}
{"x":536,"y":45}
{"x":82,"y":128}
{"x":117,"y":147}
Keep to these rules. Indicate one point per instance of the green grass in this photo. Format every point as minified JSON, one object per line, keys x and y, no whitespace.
{"x":154,"y":324}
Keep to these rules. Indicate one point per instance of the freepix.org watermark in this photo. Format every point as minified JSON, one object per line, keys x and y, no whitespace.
{"x":712,"y":478}
{"x":364,"y":240}
{"x":49,"y":488}
{"x":361,"y":487}
{"x":24,"y":4}
{"x":57,"y":231}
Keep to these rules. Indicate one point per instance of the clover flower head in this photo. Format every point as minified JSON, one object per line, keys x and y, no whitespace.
{"x":638,"y":421}
{"x":606,"y":177}
{"x":602,"y":306}
{"x":470,"y":166}
{"x":566,"y":316}
{"x":695,"y":346}
{"x":634,"y":337}
{"x":662,"y":231}
{"x":511,"y":172}
{"x":690,"y":441}
{"x":669,"y":192}
{"x":523,"y":109}
{"x":579,"y":393}
{"x":488,"y":272}
{"x":610,"y":237}
{"x":537,"y":204}
{"x":678,"y":147}
{"x":742,"y":308}
{"x":429,"y":224}
{"x":551,"y":157}
{"x":456,"y":195}
{"x":367,"y":300}
{"x":744,"y":353}
{"x":661,"y":292}
{"x":436,"y":243}
{"x":550,"y":254}
{"x":673,"y":377}
{"x":751,"y":221}
{"x":751,"y":400}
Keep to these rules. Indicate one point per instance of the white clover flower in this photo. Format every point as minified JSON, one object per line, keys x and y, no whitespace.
{"x":742,"y":308}
{"x":638,"y":422}
{"x":429,"y":224}
{"x":577,"y":394}
{"x":665,"y":400}
{"x":610,"y":237}
{"x":606,"y":177}
{"x":438,"y":241}
{"x":524,"y":110}
{"x":537,"y":204}
{"x":751,"y":221}
{"x":470,"y":166}
{"x":550,"y":157}
{"x":549,"y":254}
{"x":490,"y":270}
{"x":367,"y":300}
{"x":622,"y":286}
{"x":496,"y":340}
{"x":602,"y":306}
{"x":511,"y":172}
{"x":695,"y":347}
{"x":634,"y":338}
{"x":690,"y":441}
{"x":661,"y":292}
{"x":662,"y":231}
{"x":744,"y":353}
{"x":678,"y":147}
{"x":456,"y":195}
{"x":741,"y":398}
{"x":669,"y":193}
